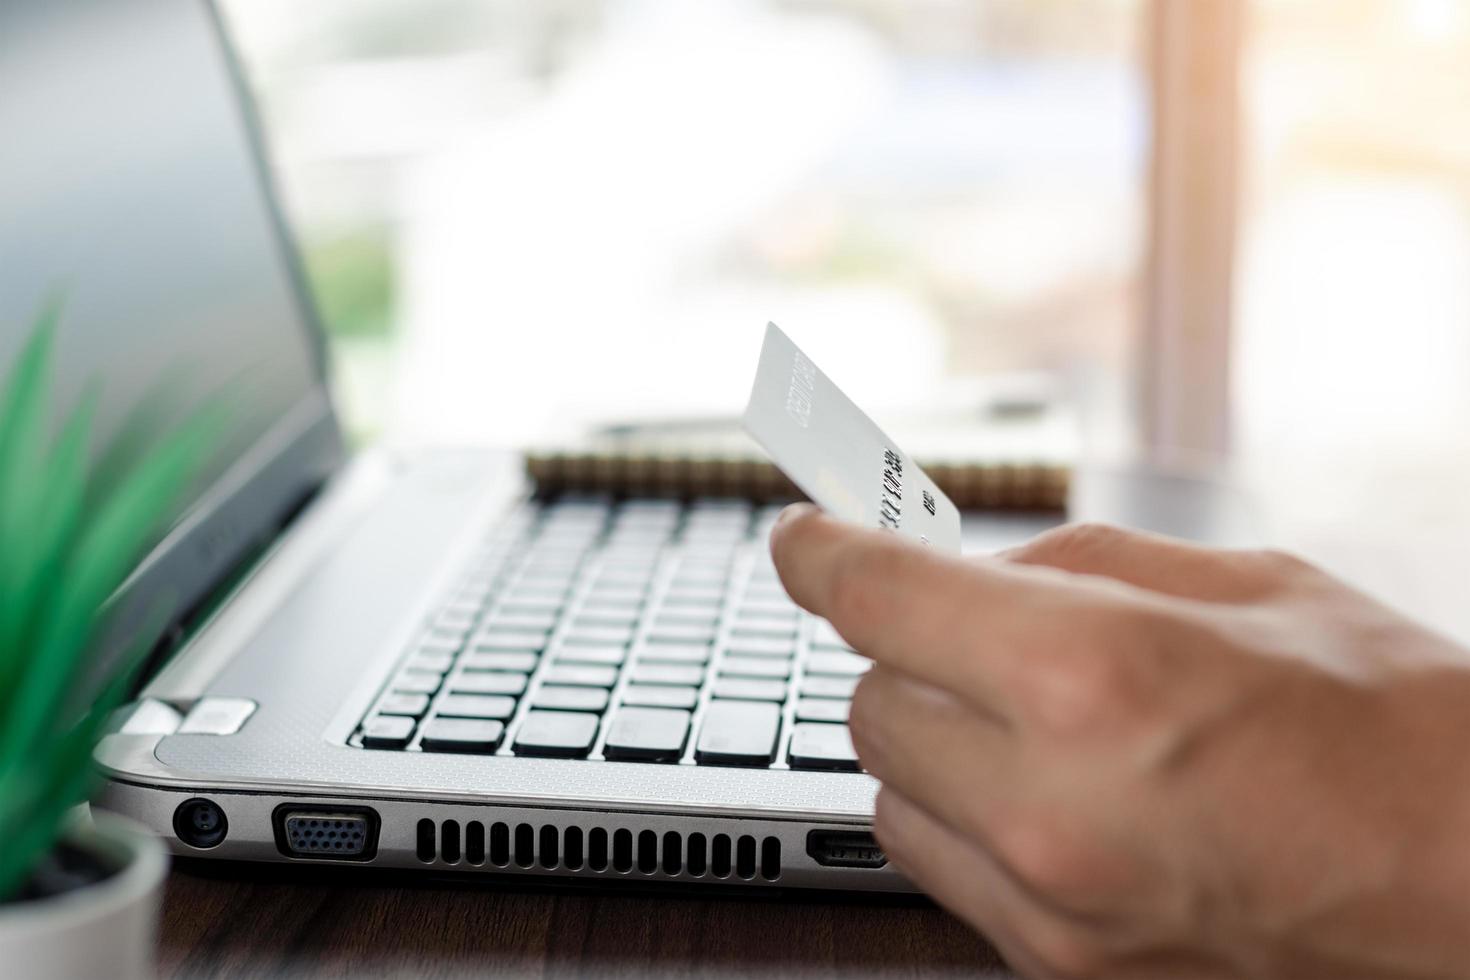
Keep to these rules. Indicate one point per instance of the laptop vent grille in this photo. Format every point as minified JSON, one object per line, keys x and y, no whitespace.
{"x":598,"y":850}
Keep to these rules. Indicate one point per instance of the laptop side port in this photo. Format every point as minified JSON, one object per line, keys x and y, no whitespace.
{"x":200,"y":823}
{"x":326,"y":832}
{"x":845,"y":849}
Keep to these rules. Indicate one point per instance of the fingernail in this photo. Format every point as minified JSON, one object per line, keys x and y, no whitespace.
{"x":792,"y":511}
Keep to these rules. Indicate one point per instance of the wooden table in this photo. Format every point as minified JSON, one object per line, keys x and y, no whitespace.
{"x":245,"y":922}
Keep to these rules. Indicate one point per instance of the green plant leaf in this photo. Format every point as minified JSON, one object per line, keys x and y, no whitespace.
{"x":64,"y":775}
{"x":72,"y":532}
{"x":23,"y":418}
{"x":107,"y":549}
{"x":36,"y":556}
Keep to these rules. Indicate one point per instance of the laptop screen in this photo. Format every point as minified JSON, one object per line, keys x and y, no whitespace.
{"x":132,"y":192}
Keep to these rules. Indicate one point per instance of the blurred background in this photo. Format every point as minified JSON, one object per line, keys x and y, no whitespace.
{"x":616,"y":195}
{"x":1229,"y":230}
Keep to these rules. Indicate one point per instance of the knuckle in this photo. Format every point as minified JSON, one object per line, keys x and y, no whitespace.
{"x":1070,"y":542}
{"x":1051,"y":860}
{"x":1029,"y":846}
{"x":1076,"y":693}
{"x":1082,"y":688}
{"x":1283,"y":564}
{"x":1272,"y":573}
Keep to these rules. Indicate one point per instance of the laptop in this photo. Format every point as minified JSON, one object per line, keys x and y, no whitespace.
{"x":398,"y":660}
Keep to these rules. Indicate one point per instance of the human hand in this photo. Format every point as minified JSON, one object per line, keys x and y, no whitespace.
{"x":1120,"y":755}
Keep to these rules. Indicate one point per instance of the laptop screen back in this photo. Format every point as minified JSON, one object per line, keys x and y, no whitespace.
{"x":131,"y":192}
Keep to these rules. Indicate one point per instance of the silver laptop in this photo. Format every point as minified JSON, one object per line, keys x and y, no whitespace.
{"x":403,"y":661}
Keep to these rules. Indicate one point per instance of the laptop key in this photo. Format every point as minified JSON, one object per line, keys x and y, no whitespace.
{"x":828,"y":687}
{"x":821,"y":709}
{"x":649,"y":510}
{"x":409,"y":705}
{"x":586,"y":675}
{"x":819,"y":745}
{"x":533,"y":595}
{"x":599,"y":636}
{"x":674,"y":653}
{"x":660,"y":696}
{"x":767,"y":667}
{"x":596,"y":619}
{"x":768,"y":612}
{"x":681,"y":634}
{"x":533,"y":619}
{"x":436,"y":663}
{"x":837,"y":663}
{"x":555,"y":697}
{"x":461,"y":735}
{"x":614,"y":595}
{"x":417,"y":682}
{"x":556,"y":734}
{"x":528,"y":603}
{"x":556,"y":574}
{"x":695,"y":597}
{"x":762,"y":646}
{"x":579,"y":654}
{"x":753,"y":690}
{"x":630,"y":604}
{"x":697,"y":570}
{"x":633,"y":576}
{"x":519,"y":640}
{"x":455,"y":620}
{"x":681,"y":675}
{"x":763,"y":629}
{"x":678,"y":617}
{"x":439,"y":644}
{"x":649,"y":734}
{"x":488,"y":682}
{"x":706,"y":612}
{"x":498,"y":707}
{"x":386,"y":732}
{"x":769,"y":594}
{"x":522,"y":661}
{"x":445,"y":639}
{"x":738,"y":733}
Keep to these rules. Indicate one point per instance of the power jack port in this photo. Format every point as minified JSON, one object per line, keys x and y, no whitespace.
{"x":200,"y":823}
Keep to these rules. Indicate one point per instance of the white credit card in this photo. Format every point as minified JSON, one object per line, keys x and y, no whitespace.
{"x":837,"y":455}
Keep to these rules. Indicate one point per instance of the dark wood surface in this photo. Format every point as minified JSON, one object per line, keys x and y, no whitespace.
{"x":241,"y":922}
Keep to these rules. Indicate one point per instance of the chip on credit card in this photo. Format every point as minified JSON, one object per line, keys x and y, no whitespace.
{"x":837,"y":455}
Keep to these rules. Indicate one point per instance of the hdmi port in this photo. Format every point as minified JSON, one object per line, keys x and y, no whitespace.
{"x":845,"y":849}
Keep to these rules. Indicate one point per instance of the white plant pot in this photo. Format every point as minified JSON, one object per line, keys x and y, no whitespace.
{"x":106,"y":929}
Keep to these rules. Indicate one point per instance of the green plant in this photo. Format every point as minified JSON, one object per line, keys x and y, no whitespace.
{"x":70,"y":533}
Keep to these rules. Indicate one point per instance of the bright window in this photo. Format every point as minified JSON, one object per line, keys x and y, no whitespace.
{"x":523,"y":217}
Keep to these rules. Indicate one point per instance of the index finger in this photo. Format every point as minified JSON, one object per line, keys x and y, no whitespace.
{"x":969,"y":626}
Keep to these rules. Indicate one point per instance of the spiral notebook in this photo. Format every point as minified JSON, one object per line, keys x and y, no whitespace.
{"x":1009,"y":468}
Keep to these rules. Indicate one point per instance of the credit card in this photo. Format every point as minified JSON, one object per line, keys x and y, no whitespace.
{"x":837,"y":455}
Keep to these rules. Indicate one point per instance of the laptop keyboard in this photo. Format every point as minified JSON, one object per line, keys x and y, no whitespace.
{"x":647,"y":631}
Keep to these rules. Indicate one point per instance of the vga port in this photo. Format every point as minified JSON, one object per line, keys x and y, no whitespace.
{"x":327,"y":834}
